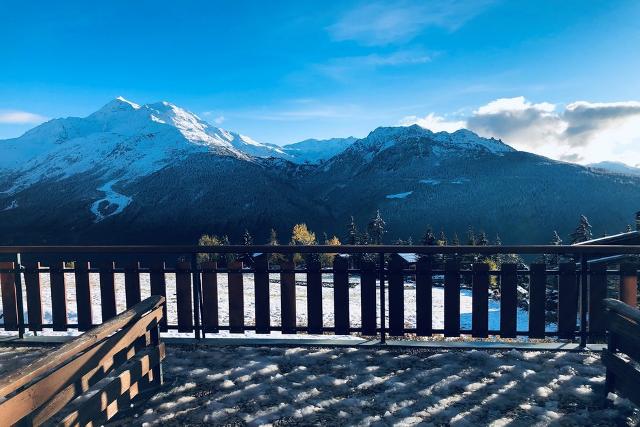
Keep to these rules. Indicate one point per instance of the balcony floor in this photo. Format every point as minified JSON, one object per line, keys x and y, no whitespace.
{"x":390,"y":386}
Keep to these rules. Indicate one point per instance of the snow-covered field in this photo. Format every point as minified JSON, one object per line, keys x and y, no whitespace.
{"x":373,"y":386}
{"x":249,"y":299}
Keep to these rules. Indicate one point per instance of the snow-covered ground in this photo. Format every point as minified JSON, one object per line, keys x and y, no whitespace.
{"x":373,"y":386}
{"x":249,"y":299}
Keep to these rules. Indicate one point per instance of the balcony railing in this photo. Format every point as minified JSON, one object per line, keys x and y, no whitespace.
{"x":194,"y":280}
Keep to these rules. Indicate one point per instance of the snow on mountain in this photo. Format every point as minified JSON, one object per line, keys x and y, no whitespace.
{"x":317,"y":150}
{"x":121,"y":141}
{"x":385,"y":137}
{"x":616,"y":167}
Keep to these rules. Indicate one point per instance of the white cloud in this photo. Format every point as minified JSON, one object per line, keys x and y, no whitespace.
{"x":385,"y":22}
{"x":582,"y":132}
{"x":20,"y":117}
{"x":434,"y":123}
{"x":218,"y":120}
{"x":343,"y":67}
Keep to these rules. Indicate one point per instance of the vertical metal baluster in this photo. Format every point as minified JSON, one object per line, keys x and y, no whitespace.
{"x":584,"y":293}
{"x":195,"y":271}
{"x":20,"y":304}
{"x":382,"y":300}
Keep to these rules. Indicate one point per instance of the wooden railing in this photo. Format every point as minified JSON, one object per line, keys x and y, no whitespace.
{"x":87,"y":380}
{"x":623,"y":350}
{"x":580,"y":279}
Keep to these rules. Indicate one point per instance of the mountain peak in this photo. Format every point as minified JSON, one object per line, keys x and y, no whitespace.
{"x":118,"y":104}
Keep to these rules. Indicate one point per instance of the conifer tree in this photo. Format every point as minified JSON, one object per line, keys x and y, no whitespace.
{"x":582,"y":232}
{"x":274,"y":258}
{"x":376,"y":228}
{"x":429,"y":239}
{"x":247,"y":239}
{"x":352,"y":233}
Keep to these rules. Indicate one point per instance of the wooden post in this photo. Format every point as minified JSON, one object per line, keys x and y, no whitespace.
{"x":314,"y":298}
{"x":210,"y":297}
{"x":288,"y":297}
{"x":629,"y":284}
{"x":341,"y":295}
{"x":396,"y":295}
{"x":261,"y":283}
{"x":9,"y":297}
{"x":236,"y":297}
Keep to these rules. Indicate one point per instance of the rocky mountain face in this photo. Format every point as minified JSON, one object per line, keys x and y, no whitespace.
{"x":158,"y":174}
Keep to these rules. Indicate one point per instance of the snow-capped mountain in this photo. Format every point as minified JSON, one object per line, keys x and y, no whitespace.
{"x":317,"y":150}
{"x":157,"y":173}
{"x":616,"y":167}
{"x":120,"y":142}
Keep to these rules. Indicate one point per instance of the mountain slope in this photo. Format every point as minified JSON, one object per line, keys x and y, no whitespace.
{"x":317,"y":150}
{"x":158,"y":174}
{"x":616,"y":167}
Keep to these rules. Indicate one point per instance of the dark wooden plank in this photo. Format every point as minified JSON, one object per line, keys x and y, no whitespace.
{"x":34,"y":296}
{"x":82,"y":344}
{"x":184,"y":299}
{"x":368,"y":297}
{"x":58,"y":296}
{"x":396,"y":296}
{"x":314,"y":298}
{"x":537,"y":300}
{"x":107,"y":290}
{"x":623,"y":309}
{"x":627,"y":334}
{"x":59,"y":386}
{"x":236,"y":297}
{"x":623,"y":376}
{"x":263,"y":308}
{"x":158,"y":285}
{"x":480,"y":300}
{"x":210,"y":320}
{"x":9,"y":300}
{"x":597,"y":294}
{"x":341,"y":295}
{"x":121,"y":386}
{"x":452,"y":299}
{"x":508,"y":300}
{"x":83,"y":295}
{"x":288,"y":297}
{"x":132,"y":283}
{"x":567,"y":301}
{"x":424,"y":289}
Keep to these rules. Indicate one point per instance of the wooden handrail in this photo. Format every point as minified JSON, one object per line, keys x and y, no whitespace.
{"x":344,"y":249}
{"x":61,"y":355}
{"x":622,"y":309}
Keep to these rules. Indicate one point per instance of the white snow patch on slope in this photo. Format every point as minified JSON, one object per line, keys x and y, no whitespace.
{"x":12,"y":205}
{"x":430,"y":181}
{"x":399,"y":195}
{"x":104,"y":207}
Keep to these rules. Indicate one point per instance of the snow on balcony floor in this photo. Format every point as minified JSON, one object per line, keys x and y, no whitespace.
{"x":372,"y":386}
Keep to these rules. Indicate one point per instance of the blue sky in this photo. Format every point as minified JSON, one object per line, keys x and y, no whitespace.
{"x":561,"y":78}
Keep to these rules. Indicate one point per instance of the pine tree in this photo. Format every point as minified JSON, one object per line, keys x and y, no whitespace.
{"x":352,"y":233}
{"x":582,"y":232}
{"x":247,"y":239}
{"x":274,"y":258}
{"x":429,"y":239}
{"x":376,"y":228}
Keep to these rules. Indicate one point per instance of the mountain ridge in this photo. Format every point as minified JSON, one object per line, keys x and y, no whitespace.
{"x":132,"y":173}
